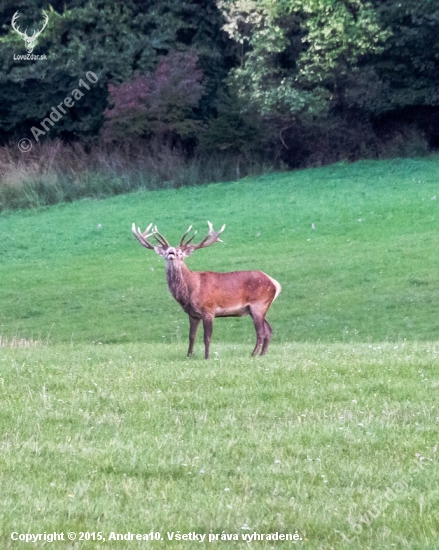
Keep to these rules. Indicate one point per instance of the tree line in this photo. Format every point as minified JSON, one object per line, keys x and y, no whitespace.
{"x":304,"y":82}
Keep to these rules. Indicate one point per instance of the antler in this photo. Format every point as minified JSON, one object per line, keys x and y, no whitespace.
{"x":17,"y":29}
{"x":182,"y":243}
{"x":160,"y":239}
{"x":37,"y":33}
{"x":211,"y":237}
{"x":143,"y":237}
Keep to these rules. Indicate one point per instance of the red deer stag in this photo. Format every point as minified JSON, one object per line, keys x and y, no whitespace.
{"x":204,"y":295}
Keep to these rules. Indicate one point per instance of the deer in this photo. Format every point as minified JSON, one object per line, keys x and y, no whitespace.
{"x":29,"y":40}
{"x":204,"y":295}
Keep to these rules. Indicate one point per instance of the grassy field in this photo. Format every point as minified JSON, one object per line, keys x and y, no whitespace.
{"x":367,"y":272}
{"x":107,"y":427}
{"x":137,"y":438}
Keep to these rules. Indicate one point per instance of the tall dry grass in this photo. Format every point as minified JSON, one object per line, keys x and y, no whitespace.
{"x":55,"y":172}
{"x":16,"y":342}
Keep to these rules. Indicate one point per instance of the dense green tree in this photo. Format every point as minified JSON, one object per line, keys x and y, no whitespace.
{"x":409,"y":66}
{"x":407,"y":72}
{"x":235,"y":129}
{"x":296,"y":58}
{"x":296,"y":54}
{"x":115,"y":40}
{"x":339,"y":75}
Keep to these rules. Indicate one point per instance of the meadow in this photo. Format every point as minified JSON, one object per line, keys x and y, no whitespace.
{"x":106,"y":426}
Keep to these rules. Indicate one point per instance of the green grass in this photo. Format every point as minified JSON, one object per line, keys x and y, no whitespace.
{"x":65,"y":279}
{"x":107,"y":426}
{"x":136,"y":437}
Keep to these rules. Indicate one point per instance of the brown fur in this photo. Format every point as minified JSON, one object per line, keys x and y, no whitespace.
{"x":204,"y":295}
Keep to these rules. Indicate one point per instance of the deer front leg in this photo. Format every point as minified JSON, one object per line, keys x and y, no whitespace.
{"x":193,"y":322}
{"x":208,"y":328}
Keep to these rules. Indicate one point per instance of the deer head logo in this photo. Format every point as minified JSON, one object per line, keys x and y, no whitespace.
{"x":29,"y":40}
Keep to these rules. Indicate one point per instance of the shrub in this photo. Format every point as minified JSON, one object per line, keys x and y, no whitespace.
{"x":405,"y":142}
{"x":159,"y":104}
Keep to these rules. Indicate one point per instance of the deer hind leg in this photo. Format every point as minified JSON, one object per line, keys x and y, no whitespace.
{"x":193,"y":322}
{"x":268,"y":333}
{"x":259,"y":323}
{"x":208,"y":328}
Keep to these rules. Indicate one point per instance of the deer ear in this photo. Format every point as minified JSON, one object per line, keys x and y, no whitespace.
{"x":160,"y":250}
{"x":187,"y":251}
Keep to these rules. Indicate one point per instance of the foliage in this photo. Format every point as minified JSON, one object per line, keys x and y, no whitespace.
{"x":298,"y":69}
{"x":259,"y":79}
{"x":236,"y":128}
{"x":158,"y":104}
{"x":338,"y":36}
{"x":114,"y":40}
{"x":409,"y":66}
{"x":311,"y":67}
{"x":295,"y":53}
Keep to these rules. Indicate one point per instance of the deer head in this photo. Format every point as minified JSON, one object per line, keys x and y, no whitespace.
{"x":178,"y":253}
{"x":29,"y":40}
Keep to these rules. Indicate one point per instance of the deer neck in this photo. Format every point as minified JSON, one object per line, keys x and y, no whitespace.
{"x":179,"y":278}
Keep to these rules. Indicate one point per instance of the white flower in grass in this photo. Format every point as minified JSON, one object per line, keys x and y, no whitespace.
{"x":245,"y":527}
{"x":277,"y":461}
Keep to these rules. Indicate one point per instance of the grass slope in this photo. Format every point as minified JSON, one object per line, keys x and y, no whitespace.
{"x":65,"y":279}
